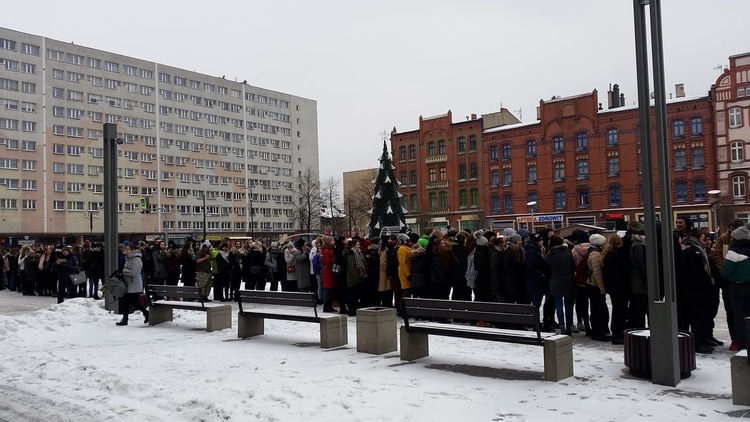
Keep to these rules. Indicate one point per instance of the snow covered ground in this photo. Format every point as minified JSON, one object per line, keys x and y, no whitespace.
{"x":70,"y":362}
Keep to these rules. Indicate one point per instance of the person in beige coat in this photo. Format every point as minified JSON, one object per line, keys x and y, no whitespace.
{"x":596,"y":291}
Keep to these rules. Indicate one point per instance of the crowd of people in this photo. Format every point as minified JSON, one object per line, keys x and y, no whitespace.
{"x":562,"y":277}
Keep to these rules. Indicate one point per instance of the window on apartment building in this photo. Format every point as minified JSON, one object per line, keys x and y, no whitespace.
{"x":441,"y":147}
{"x":582,"y":142}
{"x":403,"y":178}
{"x":531,"y":149}
{"x":699,"y":190}
{"x":443,"y":173}
{"x":495,"y":201}
{"x":414,"y":203}
{"x":613,"y":168}
{"x":508,"y":203}
{"x":443,"y":199}
{"x":463,"y":198}
{"x":583,"y":169}
{"x":507,"y":177}
{"x":737,"y":151}
{"x":506,"y":151}
{"x":413,"y":177}
{"x":493,"y":153}
{"x":412,"y":152}
{"x":559,"y":172}
{"x":612,"y":137}
{"x":558,"y":145}
{"x":697,"y":158}
{"x":696,"y":127}
{"x":430,"y":148}
{"x":614,"y":196}
{"x":472,"y":143}
{"x":679,"y":160}
{"x":494,"y":178}
{"x":461,"y":171}
{"x":531,"y":175}
{"x":433,"y":200}
{"x":402,"y":153}
{"x":559,"y":200}
{"x":473,"y":171}
{"x":678,"y":129}
{"x":462,"y":144}
{"x":433,"y":175}
{"x":584,"y":200}
{"x":738,"y":186}
{"x":681,"y":191}
{"x":735,"y":117}
{"x":474,"y":197}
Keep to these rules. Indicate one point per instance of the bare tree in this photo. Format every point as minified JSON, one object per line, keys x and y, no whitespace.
{"x":331,"y":199}
{"x":306,"y":211}
{"x":358,"y":203}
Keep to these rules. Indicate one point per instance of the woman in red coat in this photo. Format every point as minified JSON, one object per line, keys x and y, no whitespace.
{"x":329,"y":281}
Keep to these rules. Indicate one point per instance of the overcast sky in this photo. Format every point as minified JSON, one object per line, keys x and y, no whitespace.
{"x":375,"y":65}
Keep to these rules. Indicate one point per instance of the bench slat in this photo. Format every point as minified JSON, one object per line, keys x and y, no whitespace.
{"x":505,"y":336}
{"x":510,"y":308}
{"x":294,"y":299}
{"x":471,"y":315}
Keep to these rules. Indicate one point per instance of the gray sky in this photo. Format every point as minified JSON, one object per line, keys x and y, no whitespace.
{"x":375,"y":65}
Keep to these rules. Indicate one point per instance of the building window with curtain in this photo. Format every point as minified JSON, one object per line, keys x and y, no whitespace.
{"x":508,"y":204}
{"x":583,"y":198}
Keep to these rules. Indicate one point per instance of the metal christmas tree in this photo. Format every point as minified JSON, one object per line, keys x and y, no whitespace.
{"x":386,"y":214}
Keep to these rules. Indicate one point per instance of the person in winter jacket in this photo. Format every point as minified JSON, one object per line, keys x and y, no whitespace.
{"x":497,"y":268}
{"x":65,"y":265}
{"x":224,"y":271}
{"x":327,"y":274}
{"x":132,"y":275}
{"x":561,"y":284}
{"x":290,"y":258}
{"x":459,"y":250}
{"x":356,"y":274}
{"x":616,"y":274}
{"x":537,"y":270}
{"x":737,"y":272}
{"x":596,"y":290}
{"x":417,"y":260}
{"x":638,"y":309}
{"x":302,"y":266}
{"x":159,"y":260}
{"x":697,"y":290}
{"x":404,"y":267}
{"x":482,"y":285}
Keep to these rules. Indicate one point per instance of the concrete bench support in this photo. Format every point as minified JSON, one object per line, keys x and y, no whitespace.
{"x":740,"y":369}
{"x":413,"y":345}
{"x":218,"y":317}
{"x":250,"y":326}
{"x":558,"y":358}
{"x":376,"y":330}
{"x":158,"y":314}
{"x":333,"y":331}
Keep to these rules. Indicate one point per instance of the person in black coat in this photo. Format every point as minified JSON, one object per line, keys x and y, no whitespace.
{"x":537,"y":270}
{"x":561,"y":283}
{"x":482,"y":285}
{"x":616,"y":273}
{"x":64,"y":266}
{"x":458,"y":269}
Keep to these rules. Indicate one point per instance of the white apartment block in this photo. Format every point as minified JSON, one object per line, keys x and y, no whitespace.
{"x":185,"y":134}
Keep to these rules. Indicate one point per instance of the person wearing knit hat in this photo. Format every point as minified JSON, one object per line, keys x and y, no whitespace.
{"x":507,"y":233}
{"x":479,"y":237}
{"x":741,"y":233}
{"x":402,"y":238}
{"x":514,"y":238}
{"x":451,"y":232}
{"x":597,"y":239}
{"x":737,"y":272}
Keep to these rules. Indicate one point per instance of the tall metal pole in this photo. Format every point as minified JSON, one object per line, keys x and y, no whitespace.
{"x":662,"y":304}
{"x":252,"y":212}
{"x":204,"y":216}
{"x":110,"y":203}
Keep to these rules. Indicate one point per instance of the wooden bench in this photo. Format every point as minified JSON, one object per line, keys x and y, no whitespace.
{"x":218,"y":316}
{"x":739,"y":368}
{"x":276,"y":305}
{"x":558,"y":349}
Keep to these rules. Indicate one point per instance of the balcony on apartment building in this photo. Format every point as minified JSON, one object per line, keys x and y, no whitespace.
{"x":437,"y":184}
{"x":439,"y":158}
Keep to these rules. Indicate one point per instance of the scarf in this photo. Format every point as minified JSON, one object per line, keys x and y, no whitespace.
{"x":359,"y":262}
{"x":692,"y":241}
{"x":225,"y":255}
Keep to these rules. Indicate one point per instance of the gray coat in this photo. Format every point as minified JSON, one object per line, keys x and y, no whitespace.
{"x":132,"y":272}
{"x":562,"y":265}
{"x":160,"y":264}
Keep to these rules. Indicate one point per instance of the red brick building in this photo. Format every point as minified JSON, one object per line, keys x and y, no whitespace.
{"x":439,"y":166}
{"x":731,"y":100}
{"x":581,"y":165}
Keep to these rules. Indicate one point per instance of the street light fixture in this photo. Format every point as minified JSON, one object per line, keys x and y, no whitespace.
{"x":532,"y":206}
{"x":713,"y":205}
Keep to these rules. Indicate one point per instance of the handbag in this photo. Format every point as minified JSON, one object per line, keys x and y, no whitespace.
{"x":79,"y":278}
{"x":291,"y":268}
{"x":116,"y":286}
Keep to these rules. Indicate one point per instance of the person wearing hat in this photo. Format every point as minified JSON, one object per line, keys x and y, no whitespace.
{"x":737,"y":272}
{"x":31,"y":268}
{"x":404,"y":268}
{"x":596,"y":291}
{"x":537,"y":271}
{"x":482,"y":284}
{"x":203,"y":273}
{"x":65,"y":265}
{"x":132,"y":275}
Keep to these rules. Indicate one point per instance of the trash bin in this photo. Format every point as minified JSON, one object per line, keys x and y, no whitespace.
{"x":637,"y":345}
{"x":376,"y":330}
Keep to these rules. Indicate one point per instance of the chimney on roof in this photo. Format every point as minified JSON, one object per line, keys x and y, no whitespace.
{"x":473,"y":116}
{"x":679,"y":90}
{"x":613,"y":97}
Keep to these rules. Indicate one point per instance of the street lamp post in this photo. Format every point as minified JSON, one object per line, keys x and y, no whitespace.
{"x":532,"y":206}
{"x":252,"y":212}
{"x":714,"y":204}
{"x":205,"y":236}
